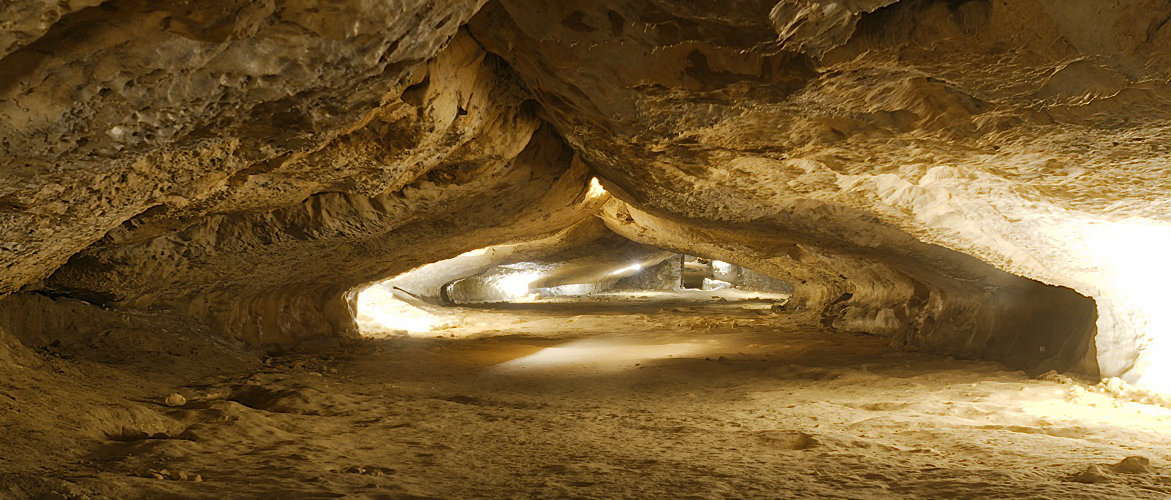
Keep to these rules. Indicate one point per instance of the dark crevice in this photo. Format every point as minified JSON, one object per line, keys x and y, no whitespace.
{"x":99,"y":299}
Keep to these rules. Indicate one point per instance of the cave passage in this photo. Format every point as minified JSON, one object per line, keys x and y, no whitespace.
{"x":626,"y":396}
{"x":580,"y":363}
{"x":609,"y":273}
{"x":606,"y":368}
{"x":528,"y":249}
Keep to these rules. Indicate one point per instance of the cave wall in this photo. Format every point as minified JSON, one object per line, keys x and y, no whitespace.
{"x":260,"y":278}
{"x":752,"y":280}
{"x":924,"y":297}
{"x":456,"y":161}
{"x":131,"y":107}
{"x":947,"y":173}
{"x":1028,"y":134}
{"x":666,"y":275}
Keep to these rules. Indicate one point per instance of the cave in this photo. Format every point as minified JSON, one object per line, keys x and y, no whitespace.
{"x":585,"y":249}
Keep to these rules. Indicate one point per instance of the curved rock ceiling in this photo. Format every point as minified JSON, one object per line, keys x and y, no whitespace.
{"x":957,"y":175}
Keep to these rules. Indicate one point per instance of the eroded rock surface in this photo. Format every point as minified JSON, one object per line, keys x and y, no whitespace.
{"x":1031,"y":135}
{"x":131,"y":105}
{"x":946,"y":173}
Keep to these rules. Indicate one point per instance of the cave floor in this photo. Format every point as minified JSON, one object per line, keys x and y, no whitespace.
{"x":530,"y":403}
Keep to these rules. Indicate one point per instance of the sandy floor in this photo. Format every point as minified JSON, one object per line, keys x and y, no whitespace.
{"x":590,"y":403}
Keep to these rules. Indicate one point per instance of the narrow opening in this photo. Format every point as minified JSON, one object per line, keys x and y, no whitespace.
{"x":608,"y":274}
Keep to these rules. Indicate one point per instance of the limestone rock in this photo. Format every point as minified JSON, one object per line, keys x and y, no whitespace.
{"x":1093,"y":474}
{"x":175,"y":400}
{"x":1132,"y":465}
{"x":985,"y":179}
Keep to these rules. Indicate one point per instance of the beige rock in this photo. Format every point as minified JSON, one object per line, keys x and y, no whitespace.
{"x":972,"y":178}
{"x":1093,"y":474}
{"x":1132,"y":465}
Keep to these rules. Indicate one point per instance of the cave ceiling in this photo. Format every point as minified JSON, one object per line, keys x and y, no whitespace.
{"x":938,"y":171}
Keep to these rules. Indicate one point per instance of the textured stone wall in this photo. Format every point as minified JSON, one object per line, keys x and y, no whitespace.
{"x":948,"y":173}
{"x":456,"y":161}
{"x":752,"y":280}
{"x":1020,"y":133}
{"x":665,"y":275}
{"x":181,"y":110}
{"x":930,"y":299}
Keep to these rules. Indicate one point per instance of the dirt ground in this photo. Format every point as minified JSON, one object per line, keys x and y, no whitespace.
{"x":556,"y":401}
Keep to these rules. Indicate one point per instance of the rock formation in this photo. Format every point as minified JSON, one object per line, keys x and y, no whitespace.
{"x":984,"y":178}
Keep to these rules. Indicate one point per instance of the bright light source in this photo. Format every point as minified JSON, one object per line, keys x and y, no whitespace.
{"x":1125,"y":266}
{"x":379,"y":310}
{"x":1136,"y":267}
{"x":711,"y":284}
{"x":515,"y":285}
{"x":627,"y":269}
{"x":596,"y":189}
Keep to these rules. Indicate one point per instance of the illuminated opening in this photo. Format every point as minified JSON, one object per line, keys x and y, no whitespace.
{"x":630,"y":270}
{"x":608,"y":269}
{"x":595,"y":190}
{"x":381,"y":313}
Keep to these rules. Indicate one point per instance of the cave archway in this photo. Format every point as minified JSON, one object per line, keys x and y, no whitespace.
{"x":598,"y":270}
{"x":959,"y":208}
{"x":928,"y":298}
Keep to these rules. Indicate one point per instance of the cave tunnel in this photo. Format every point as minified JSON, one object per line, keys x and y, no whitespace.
{"x":585,"y":249}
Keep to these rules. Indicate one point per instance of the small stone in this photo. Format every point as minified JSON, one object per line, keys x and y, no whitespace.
{"x":181,"y":476}
{"x":1092,"y":475}
{"x":156,"y":475}
{"x":175,"y":400}
{"x":1054,"y":376}
{"x":1132,"y":465}
{"x":198,"y":478}
{"x":723,"y":360}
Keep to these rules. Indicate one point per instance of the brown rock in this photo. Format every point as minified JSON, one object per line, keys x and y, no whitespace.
{"x":1132,"y":465}
{"x":939,"y":197}
{"x":175,"y":400}
{"x":1093,"y":474}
